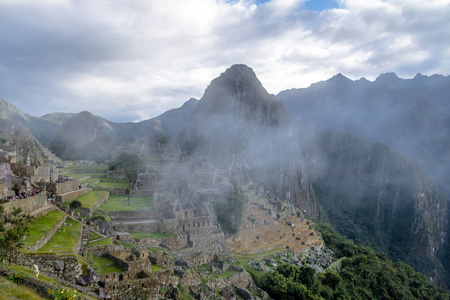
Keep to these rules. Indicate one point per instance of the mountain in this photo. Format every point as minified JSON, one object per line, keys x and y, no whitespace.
{"x":412,"y":116}
{"x":83,"y":136}
{"x":43,"y":128}
{"x":234,"y":106}
{"x":367,"y":190}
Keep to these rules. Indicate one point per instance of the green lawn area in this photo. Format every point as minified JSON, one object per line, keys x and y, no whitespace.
{"x":67,"y":239}
{"x":105,"y":241}
{"x":120,"y":203}
{"x":81,"y":175}
{"x":8,"y":288}
{"x":104,"y":265}
{"x":113,"y":185}
{"x":81,"y":169}
{"x":41,"y":226}
{"x":27,"y":271}
{"x":158,"y":235}
{"x":156,"y":268}
{"x":91,"y":181}
{"x":94,"y":235}
{"x":90,"y":199}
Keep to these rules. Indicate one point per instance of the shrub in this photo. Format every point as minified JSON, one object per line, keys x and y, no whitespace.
{"x":63,"y":294}
{"x":75,"y":204}
{"x":16,"y":278}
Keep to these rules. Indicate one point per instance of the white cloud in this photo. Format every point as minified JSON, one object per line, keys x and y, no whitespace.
{"x":130,"y":60}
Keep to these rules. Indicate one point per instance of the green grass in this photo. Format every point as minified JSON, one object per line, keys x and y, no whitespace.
{"x":88,"y":168}
{"x":67,"y":239}
{"x":41,"y":226}
{"x":105,"y":241}
{"x":27,"y":271}
{"x":156,"y":268}
{"x":81,"y":175}
{"x":90,"y":199}
{"x":158,"y":235}
{"x":94,"y":235}
{"x":120,"y":203}
{"x":8,"y":288}
{"x":113,"y":185}
{"x":105,"y":265}
{"x":91,"y":181}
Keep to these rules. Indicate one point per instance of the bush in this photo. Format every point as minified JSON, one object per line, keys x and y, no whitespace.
{"x":16,"y":278}
{"x":75,"y":204}
{"x":63,"y":294}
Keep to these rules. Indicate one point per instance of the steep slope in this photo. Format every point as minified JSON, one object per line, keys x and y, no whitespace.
{"x":83,"y":137}
{"x":412,"y":116}
{"x":43,"y":128}
{"x":234,"y":107}
{"x":174,"y":120}
{"x":375,"y":195}
{"x":17,"y":140}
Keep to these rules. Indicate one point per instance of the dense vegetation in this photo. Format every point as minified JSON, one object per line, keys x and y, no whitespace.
{"x":362,"y":274}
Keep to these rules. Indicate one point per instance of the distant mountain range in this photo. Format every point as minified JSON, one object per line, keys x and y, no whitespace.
{"x":347,"y":152}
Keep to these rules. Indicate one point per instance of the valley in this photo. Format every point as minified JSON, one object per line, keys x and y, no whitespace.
{"x":224,"y":197}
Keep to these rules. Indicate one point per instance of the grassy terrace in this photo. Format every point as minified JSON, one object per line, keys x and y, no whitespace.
{"x":113,"y":185}
{"x":158,"y":235}
{"x":120,"y":203}
{"x":81,"y":175}
{"x":10,"y":290}
{"x":96,"y":168}
{"x":27,"y":271}
{"x":67,"y":239}
{"x":105,"y":241}
{"x":41,"y":226}
{"x":90,"y":199}
{"x":103,"y":264}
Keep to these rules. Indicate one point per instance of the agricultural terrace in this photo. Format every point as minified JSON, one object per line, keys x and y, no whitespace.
{"x":41,"y":226}
{"x":103,"y":264}
{"x":65,"y":238}
{"x":90,"y":199}
{"x":120,"y":203}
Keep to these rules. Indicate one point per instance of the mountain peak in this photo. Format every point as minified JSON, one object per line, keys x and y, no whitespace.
{"x":387,"y":77}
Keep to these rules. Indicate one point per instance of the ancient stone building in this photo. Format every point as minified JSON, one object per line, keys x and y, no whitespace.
{"x":5,"y":177}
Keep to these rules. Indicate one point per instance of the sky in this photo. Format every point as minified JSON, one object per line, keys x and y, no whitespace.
{"x":130,"y":60}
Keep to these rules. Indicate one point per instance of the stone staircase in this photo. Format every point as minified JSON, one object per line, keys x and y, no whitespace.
{"x":84,"y":240}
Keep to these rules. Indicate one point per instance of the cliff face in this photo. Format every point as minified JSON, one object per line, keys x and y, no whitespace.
{"x":373,"y":194}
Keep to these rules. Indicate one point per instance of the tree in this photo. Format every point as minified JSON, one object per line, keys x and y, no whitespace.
{"x":132,"y":165}
{"x":12,"y":227}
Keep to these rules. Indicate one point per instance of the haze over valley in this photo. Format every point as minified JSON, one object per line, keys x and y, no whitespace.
{"x":280,"y":149}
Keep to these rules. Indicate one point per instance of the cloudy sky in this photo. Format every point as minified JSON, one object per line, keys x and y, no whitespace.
{"x":129,"y":60}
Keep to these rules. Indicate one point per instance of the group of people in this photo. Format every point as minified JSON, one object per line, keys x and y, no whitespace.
{"x":23,"y":195}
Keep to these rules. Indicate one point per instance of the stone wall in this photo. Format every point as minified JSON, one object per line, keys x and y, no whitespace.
{"x":60,"y":188}
{"x":36,"y":174}
{"x":145,"y":288}
{"x":132,"y":215}
{"x":72,"y":195}
{"x":28,"y":204}
{"x":64,"y":266}
{"x":147,"y":227}
{"x":44,"y":239}
{"x":102,"y":250}
{"x":6,"y":178}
